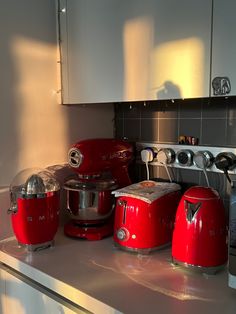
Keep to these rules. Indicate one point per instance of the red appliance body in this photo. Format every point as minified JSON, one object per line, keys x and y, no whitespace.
{"x":200,"y":233}
{"x":36,"y":220}
{"x":143,"y":227}
{"x":93,"y":157}
{"x":35,"y":205}
{"x":101,"y":166}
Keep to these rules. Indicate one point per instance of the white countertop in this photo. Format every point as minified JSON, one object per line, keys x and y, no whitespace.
{"x":103,"y":279}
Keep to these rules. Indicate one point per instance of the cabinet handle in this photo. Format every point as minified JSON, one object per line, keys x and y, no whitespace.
{"x":221,"y":85}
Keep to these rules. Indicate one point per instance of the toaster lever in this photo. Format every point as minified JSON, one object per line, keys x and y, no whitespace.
{"x":124,"y":204}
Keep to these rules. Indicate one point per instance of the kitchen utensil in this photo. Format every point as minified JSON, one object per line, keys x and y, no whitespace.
{"x":225,"y":161}
{"x":203,"y":160}
{"x":144,"y":215}
{"x":101,"y":166}
{"x":184,"y":157}
{"x":35,"y":203}
{"x":200,"y":235}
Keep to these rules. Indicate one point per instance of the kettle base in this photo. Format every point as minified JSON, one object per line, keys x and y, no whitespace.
{"x":209,"y":270}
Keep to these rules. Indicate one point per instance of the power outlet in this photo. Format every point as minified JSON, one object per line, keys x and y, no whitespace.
{"x":189,"y":148}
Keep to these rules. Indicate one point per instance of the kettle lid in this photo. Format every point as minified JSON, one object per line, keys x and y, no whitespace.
{"x":202,"y":193}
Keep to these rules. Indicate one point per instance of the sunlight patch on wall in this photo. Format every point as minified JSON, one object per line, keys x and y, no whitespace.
{"x":41,"y":124}
{"x":152,"y":70}
{"x":177,"y":68}
{"x":138,"y":42}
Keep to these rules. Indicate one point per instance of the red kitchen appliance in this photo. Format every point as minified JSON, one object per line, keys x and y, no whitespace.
{"x":35,"y":204}
{"x":200,"y":232}
{"x":144,"y":215}
{"x":101,"y":166}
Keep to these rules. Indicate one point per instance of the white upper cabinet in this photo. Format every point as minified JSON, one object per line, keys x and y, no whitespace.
{"x":132,"y":50}
{"x":91,"y":51}
{"x":224,"y":48}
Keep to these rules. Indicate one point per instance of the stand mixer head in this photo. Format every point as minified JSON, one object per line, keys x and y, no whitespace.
{"x":93,"y":158}
{"x":102,"y":166}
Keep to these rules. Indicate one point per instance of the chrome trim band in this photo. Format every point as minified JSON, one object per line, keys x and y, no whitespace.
{"x":144,"y":251}
{"x":211,"y":270}
{"x":37,"y":247}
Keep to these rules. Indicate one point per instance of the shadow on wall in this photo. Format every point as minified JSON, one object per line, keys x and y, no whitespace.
{"x":169,"y":91}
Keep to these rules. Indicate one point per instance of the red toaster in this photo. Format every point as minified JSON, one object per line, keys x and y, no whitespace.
{"x":144,"y":215}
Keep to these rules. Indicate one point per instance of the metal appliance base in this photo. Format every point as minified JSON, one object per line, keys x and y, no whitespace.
{"x":91,"y":232}
{"x":37,"y":247}
{"x":144,"y":251}
{"x":211,"y":270}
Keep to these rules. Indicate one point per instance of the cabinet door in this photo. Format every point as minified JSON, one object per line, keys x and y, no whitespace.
{"x":134,"y":50}
{"x":224,"y":47}
{"x":22,"y":296}
{"x":91,"y":51}
{"x":167,"y":49}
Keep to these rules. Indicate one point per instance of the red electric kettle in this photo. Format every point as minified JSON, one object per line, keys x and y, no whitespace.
{"x":200,"y":232}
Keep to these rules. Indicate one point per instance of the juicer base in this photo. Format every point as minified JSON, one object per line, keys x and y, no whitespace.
{"x":37,"y":247}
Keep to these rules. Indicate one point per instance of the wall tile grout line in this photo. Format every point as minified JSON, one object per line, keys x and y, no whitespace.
{"x":200,"y":136}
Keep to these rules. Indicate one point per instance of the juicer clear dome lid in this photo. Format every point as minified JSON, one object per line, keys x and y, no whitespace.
{"x":34,"y":181}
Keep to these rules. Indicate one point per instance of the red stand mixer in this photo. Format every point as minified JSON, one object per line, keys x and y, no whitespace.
{"x":101,"y":166}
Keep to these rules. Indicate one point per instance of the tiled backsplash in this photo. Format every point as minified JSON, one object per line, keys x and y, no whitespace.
{"x":212,"y":120}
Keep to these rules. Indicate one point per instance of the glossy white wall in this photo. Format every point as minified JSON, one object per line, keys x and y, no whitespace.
{"x":35,"y":129}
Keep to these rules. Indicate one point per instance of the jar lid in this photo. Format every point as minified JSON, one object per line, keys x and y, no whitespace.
{"x":33,"y":182}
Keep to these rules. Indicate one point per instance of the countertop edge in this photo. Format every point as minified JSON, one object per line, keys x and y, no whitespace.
{"x":69,"y":292}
